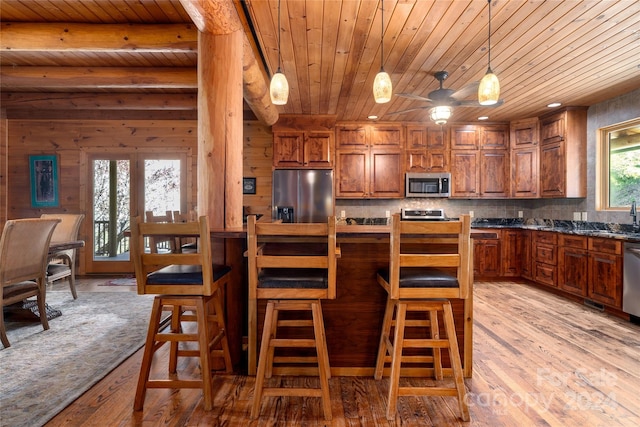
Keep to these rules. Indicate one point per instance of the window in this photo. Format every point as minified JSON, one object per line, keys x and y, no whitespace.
{"x":619,"y":148}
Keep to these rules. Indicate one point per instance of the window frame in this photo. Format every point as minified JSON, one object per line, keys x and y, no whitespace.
{"x":602,"y":165}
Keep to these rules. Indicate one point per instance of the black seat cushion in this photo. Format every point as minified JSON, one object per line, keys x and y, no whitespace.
{"x":307,"y":278}
{"x":423,"y":277}
{"x":184,"y":274}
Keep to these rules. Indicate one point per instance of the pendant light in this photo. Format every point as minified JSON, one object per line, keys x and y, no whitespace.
{"x":489,"y":89}
{"x":279,"y":87}
{"x":382,"y":84}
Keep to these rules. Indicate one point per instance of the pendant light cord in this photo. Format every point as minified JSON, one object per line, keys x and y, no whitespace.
{"x":382,"y":37}
{"x":280,"y":37}
{"x":489,"y":1}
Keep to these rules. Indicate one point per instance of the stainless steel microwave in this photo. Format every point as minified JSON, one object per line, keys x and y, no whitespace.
{"x":426,"y":184}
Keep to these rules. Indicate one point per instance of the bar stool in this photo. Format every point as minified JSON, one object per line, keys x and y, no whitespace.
{"x":293,"y":272}
{"x":182,"y":282}
{"x":424,"y":273}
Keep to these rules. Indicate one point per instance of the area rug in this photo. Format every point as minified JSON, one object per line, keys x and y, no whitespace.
{"x":120,"y":281}
{"x":44,"y":371}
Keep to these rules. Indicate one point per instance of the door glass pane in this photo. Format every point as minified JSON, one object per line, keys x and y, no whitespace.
{"x":161,"y":185}
{"x":111,"y":209}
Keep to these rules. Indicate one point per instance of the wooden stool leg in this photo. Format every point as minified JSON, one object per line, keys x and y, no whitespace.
{"x":149,"y":348}
{"x":396,"y":359}
{"x":456,"y":364}
{"x":262,"y":360}
{"x":222,"y":334}
{"x":385,"y":343}
{"x":176,"y":313}
{"x":435,"y":335}
{"x":205,"y":355}
{"x":273,"y":333}
{"x":323,"y":357}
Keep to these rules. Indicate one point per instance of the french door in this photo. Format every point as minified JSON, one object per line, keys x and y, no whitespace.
{"x":122,"y":185}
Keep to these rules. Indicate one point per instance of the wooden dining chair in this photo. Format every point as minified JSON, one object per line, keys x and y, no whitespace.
{"x":430,"y":263}
{"x":164,"y":243}
{"x":188,"y":244}
{"x":292,"y":266}
{"x":182,"y":282}
{"x":62,"y":265}
{"x":24,"y":252}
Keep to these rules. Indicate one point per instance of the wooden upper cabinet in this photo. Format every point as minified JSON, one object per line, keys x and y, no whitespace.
{"x":563,"y":153}
{"x":494,"y":173}
{"x":303,"y":149}
{"x":465,"y":173}
{"x":465,"y":137}
{"x":524,"y":133}
{"x":494,"y":137}
{"x":369,"y":161}
{"x":427,"y":149}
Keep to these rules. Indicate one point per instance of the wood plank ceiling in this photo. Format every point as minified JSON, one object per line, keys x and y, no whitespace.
{"x":576,"y":52}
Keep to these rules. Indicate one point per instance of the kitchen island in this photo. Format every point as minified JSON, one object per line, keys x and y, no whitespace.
{"x":353,"y":320}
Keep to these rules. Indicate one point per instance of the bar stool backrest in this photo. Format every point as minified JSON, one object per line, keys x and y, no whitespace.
{"x":182,"y":273}
{"x":295,"y":246}
{"x":433,"y":252}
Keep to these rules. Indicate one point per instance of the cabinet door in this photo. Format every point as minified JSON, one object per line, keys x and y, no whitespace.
{"x":524,"y":172}
{"x":524,"y":133}
{"x":352,"y":172}
{"x":511,"y":253}
{"x":494,"y":137}
{"x":552,"y":128}
{"x":572,"y":270}
{"x":437,"y":138}
{"x":386,"y":174}
{"x":552,"y":170}
{"x":486,"y":255}
{"x":351,"y":136}
{"x":318,"y":148}
{"x":525,"y":251}
{"x":605,"y":279}
{"x":465,"y":168}
{"x":494,"y":173}
{"x":464,"y":137}
{"x":288,"y":149}
{"x":387,"y":136}
{"x":426,"y":161}
{"x":416,"y":137}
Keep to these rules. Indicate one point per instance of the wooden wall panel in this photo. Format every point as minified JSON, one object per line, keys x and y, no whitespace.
{"x":257,"y":160}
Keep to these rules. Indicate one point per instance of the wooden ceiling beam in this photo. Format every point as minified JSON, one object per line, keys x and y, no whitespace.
{"x":73,"y":79}
{"x":222,"y":17}
{"x":99,"y":101}
{"x":70,"y":37}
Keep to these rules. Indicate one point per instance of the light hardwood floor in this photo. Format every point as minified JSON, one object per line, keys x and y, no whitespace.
{"x":539,"y":360}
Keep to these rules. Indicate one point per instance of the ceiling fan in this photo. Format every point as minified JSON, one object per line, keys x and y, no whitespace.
{"x":443,"y":100}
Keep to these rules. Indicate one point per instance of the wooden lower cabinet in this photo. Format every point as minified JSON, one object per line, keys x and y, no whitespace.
{"x":605,"y":271}
{"x":526,"y":261}
{"x":487,"y":256}
{"x":572,"y":264}
{"x":545,"y":257}
{"x":511,"y":253}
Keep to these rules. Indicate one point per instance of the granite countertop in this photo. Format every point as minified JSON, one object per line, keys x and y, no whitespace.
{"x":582,"y":228}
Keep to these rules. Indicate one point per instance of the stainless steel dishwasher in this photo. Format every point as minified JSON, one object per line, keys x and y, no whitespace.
{"x":631,"y":279}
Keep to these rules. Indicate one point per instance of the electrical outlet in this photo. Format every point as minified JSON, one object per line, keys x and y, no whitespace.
{"x":342,"y":214}
{"x":471,"y":214}
{"x":584,"y":216}
{"x":387,"y":214}
{"x":520,"y":214}
{"x":577,"y":216}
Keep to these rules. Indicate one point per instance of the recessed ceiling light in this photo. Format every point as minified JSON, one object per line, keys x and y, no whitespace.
{"x":554,"y":104}
{"x":372,"y":117}
{"x":483,"y":118}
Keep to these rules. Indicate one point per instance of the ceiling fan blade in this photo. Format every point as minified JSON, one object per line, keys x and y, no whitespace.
{"x":408,"y":110}
{"x":412,"y":96}
{"x":475,"y":103}
{"x":466,"y":91}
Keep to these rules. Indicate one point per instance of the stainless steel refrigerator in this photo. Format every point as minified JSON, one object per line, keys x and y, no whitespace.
{"x":302,"y":195}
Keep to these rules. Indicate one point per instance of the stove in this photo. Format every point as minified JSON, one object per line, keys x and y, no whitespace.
{"x":423,"y":214}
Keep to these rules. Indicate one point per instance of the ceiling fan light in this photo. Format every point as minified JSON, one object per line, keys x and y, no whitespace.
{"x":382,"y":87}
{"x":489,"y":89}
{"x":279,"y":88}
{"x":440,"y":114}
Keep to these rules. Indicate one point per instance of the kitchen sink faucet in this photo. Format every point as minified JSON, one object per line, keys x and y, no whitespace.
{"x":634,"y":214}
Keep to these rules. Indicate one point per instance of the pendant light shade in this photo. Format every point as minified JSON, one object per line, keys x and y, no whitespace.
{"x":489,"y":89}
{"x":440,"y":115}
{"x":279,"y":87}
{"x":382,"y":87}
